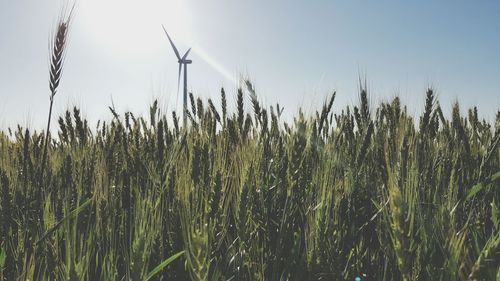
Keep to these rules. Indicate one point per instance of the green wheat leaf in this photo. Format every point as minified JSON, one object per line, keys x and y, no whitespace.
{"x":162,"y":265}
{"x":479,"y":186}
{"x":3,"y":257}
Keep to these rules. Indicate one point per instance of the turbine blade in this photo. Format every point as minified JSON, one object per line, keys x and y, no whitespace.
{"x":172,"y":43}
{"x":186,"y":54}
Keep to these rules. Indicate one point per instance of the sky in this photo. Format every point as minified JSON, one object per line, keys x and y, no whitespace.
{"x":296,"y":53}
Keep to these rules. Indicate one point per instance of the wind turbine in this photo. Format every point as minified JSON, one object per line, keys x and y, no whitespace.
{"x":183,"y":61}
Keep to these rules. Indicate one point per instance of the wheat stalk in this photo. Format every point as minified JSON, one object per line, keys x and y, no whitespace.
{"x":488,"y":258}
{"x":58,"y":47}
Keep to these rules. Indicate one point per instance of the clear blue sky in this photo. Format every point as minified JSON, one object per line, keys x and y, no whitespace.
{"x":295,"y":52}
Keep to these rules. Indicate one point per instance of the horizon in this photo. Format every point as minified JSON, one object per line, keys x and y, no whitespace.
{"x":383,"y":42}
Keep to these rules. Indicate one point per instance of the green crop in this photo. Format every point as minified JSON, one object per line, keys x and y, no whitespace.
{"x":246,"y":196}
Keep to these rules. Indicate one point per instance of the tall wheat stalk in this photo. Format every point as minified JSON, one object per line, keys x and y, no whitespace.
{"x":58,"y":47}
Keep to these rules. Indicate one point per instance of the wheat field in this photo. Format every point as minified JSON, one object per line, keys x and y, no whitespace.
{"x":245,"y":196}
{"x":369,"y":192}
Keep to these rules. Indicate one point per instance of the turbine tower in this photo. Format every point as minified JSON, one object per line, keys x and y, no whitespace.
{"x":183,"y":61}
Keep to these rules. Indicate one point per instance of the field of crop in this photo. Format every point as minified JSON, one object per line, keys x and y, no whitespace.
{"x":369,"y":192}
{"x":244,"y":196}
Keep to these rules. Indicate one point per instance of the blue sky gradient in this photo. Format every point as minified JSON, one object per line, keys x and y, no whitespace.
{"x":295,"y":52}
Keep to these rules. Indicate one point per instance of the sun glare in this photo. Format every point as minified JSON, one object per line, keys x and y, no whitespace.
{"x":133,"y":27}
